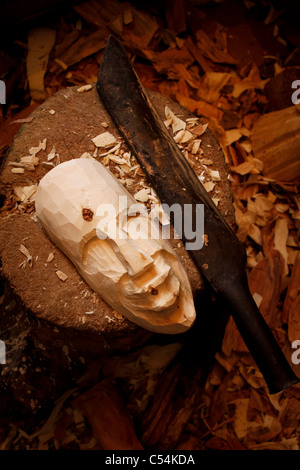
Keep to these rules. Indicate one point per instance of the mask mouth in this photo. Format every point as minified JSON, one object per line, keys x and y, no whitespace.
{"x":145,"y":282}
{"x":157,"y":289}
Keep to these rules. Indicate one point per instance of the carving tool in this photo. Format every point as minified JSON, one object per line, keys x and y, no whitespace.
{"x":222,"y":260}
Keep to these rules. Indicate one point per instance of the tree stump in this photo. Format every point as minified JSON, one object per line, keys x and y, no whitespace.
{"x":54,"y":330}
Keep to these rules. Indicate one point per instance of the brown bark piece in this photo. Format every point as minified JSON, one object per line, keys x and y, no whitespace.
{"x":106,"y":412}
{"x":276,"y":142}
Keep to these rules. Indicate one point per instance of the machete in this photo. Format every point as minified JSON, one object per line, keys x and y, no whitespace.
{"x":222,"y":260}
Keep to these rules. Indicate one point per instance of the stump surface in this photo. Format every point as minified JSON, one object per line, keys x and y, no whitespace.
{"x":68,"y":312}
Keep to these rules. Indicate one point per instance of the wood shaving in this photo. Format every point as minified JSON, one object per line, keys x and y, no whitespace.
{"x":18,"y":170}
{"x":172,"y":120}
{"x":26,"y":253}
{"x":25,"y":194}
{"x":50,"y":257}
{"x":142,"y":195}
{"x":51,"y":154}
{"x":199,"y":129}
{"x":183,"y":137}
{"x":215,"y":175}
{"x":104,"y":140}
{"x":31,"y":160}
{"x":196,"y":146}
{"x":209,"y":186}
{"x":16,"y":164}
{"x":41,"y":146}
{"x":84,"y":88}
{"x":62,"y":276}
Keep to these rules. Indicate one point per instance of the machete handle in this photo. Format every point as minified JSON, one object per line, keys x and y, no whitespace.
{"x":258,"y":337}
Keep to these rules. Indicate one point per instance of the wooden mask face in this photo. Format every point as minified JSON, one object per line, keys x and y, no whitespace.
{"x":114,"y":244}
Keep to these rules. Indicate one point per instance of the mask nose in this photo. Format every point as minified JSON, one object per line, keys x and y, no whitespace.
{"x":135,"y":260}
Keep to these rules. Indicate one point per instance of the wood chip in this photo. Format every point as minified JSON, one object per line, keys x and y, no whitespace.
{"x":209,"y":186}
{"x":176,"y":123}
{"x":41,"y":146}
{"x":25,"y":194}
{"x":142,"y":195}
{"x":104,"y":140}
{"x":62,"y":276}
{"x":26,"y":253}
{"x":50,"y":257}
{"x":183,"y":136}
{"x":196,"y":146}
{"x":18,"y":170}
{"x":215,"y":175}
{"x":199,"y":129}
{"x":30,"y":160}
{"x":51,"y":154}
{"x":84,"y":88}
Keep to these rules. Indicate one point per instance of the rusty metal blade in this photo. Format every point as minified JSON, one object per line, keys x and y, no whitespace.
{"x":222,"y":260}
